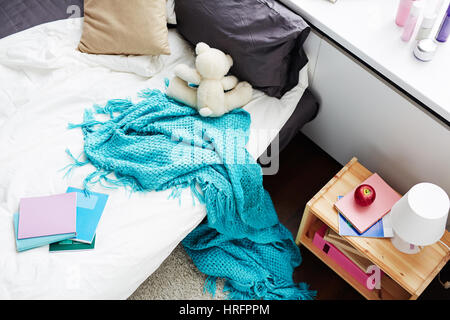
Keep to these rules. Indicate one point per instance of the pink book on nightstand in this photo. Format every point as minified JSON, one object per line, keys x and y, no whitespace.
{"x":362,"y":218}
{"x":49,"y":215}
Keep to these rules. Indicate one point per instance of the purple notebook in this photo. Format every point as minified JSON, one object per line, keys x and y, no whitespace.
{"x":49,"y":215}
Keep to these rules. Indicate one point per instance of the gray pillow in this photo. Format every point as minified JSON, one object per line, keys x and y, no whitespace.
{"x":264,"y":38}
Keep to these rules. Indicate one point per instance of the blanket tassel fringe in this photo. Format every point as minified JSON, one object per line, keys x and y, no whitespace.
{"x":264,"y":290}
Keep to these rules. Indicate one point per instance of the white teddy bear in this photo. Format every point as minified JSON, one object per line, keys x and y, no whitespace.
{"x":209,"y":98}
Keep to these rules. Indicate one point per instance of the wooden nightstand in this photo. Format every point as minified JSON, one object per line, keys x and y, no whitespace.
{"x":406,"y":276}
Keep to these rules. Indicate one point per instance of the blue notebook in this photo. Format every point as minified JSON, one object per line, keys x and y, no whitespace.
{"x":30,"y":243}
{"x":89,"y":211}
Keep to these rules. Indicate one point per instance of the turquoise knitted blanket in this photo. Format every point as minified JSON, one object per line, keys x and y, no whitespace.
{"x":159,"y":144}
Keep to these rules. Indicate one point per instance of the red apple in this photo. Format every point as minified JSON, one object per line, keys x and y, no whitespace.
{"x":365,"y":195}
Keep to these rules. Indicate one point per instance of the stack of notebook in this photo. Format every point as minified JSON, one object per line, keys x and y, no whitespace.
{"x":66,"y":221}
{"x":370,"y":221}
{"x":346,"y":248}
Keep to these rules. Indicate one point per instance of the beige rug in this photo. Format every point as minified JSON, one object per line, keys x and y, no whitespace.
{"x":176,"y":279}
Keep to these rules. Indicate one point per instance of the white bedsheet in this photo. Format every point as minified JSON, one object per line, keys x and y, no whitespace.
{"x":45,"y":84}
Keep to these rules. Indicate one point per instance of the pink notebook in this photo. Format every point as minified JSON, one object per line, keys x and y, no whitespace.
{"x":49,"y":215}
{"x":362,"y":218}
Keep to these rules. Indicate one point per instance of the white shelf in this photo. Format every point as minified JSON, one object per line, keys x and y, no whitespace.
{"x":367,"y":29}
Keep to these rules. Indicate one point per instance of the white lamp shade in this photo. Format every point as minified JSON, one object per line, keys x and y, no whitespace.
{"x":420,"y":216}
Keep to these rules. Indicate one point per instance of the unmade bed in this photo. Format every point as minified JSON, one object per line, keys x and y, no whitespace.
{"x":45,"y":83}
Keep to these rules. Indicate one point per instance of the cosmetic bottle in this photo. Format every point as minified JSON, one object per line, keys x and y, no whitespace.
{"x":411,"y":22}
{"x":404,"y":8}
{"x":425,"y":49}
{"x":444,"y":30}
{"x":426,"y":27}
{"x":430,"y":14}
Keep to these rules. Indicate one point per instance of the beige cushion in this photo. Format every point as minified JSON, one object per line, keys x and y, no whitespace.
{"x":136,"y":27}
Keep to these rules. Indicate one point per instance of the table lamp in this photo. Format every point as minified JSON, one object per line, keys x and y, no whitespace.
{"x":419,"y":218}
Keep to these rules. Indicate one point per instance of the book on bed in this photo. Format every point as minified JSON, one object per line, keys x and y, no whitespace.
{"x":89,"y":211}
{"x":30,"y":243}
{"x":47,"y":215}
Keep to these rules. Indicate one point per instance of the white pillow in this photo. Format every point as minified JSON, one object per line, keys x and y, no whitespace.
{"x":170,"y":12}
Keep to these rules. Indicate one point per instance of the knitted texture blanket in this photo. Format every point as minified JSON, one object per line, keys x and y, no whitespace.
{"x":158,"y":144}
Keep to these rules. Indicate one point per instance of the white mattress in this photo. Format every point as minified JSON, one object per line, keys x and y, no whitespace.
{"x":45,"y":84}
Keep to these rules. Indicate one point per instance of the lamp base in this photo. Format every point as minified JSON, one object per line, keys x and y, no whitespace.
{"x":404,"y":246}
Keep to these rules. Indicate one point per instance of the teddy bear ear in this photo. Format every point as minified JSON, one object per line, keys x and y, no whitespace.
{"x":230,"y":60}
{"x":201,"y":47}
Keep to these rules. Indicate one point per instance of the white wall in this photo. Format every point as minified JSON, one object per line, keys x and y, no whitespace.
{"x":363,"y":116}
